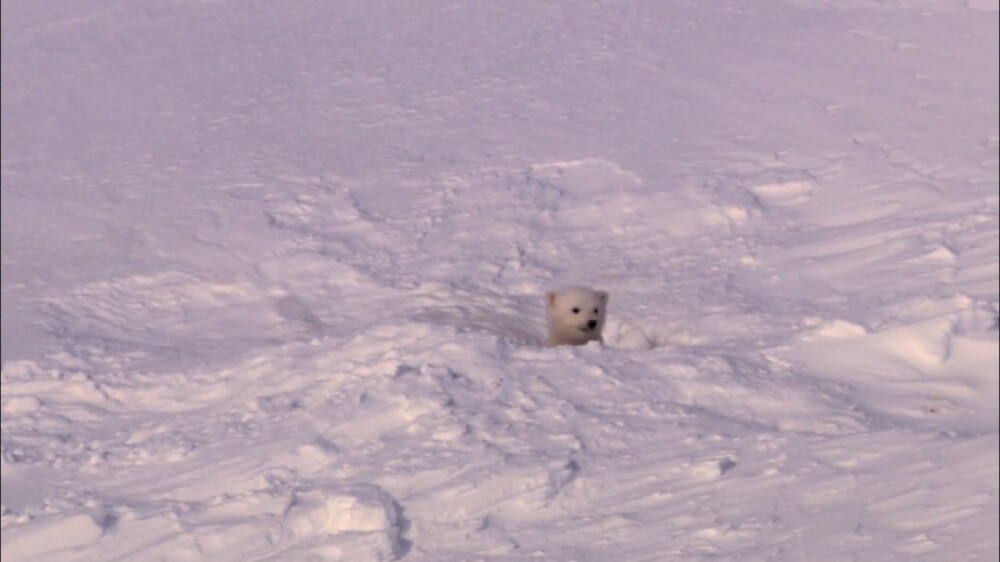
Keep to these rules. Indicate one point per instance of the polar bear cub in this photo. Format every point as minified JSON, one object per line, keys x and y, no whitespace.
{"x":576,"y":316}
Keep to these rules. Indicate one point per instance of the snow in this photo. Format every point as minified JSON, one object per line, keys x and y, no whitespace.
{"x":273,"y":278}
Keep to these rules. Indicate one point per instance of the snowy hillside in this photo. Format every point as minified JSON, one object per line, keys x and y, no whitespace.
{"x":273,"y":278}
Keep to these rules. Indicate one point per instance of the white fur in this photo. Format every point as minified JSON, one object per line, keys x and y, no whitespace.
{"x":576,"y":316}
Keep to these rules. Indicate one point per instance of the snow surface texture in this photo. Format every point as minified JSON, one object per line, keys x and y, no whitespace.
{"x":273,"y":278}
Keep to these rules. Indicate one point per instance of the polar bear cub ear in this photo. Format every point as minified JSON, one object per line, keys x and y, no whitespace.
{"x":603,"y":295}
{"x":550,"y":299}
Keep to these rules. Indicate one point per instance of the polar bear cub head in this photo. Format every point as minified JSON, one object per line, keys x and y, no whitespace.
{"x":576,"y":316}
